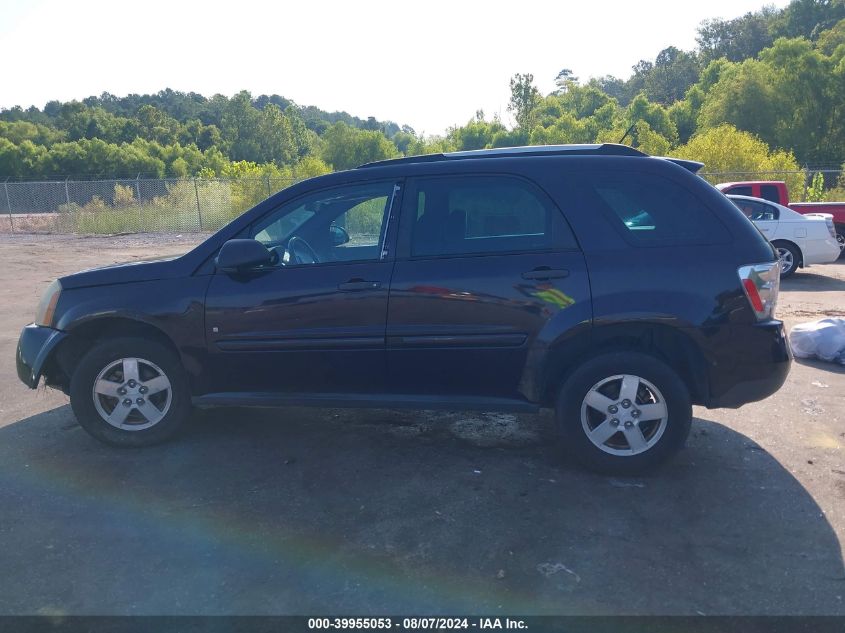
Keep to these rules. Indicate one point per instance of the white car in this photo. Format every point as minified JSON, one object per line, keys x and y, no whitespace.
{"x":800,"y":240}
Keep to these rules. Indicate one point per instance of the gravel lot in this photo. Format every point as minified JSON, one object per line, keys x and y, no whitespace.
{"x":315,"y":511}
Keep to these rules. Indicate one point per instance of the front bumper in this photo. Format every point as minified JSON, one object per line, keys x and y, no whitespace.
{"x":765,"y":360}
{"x":34,"y":348}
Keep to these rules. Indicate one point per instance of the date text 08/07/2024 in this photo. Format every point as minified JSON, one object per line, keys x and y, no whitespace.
{"x":419,"y":623}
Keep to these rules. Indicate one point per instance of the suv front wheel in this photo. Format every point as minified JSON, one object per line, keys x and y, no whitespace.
{"x":130,"y":392}
{"x":624,"y":413}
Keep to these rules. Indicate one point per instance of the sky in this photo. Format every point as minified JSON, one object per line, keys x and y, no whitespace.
{"x":428,"y":64}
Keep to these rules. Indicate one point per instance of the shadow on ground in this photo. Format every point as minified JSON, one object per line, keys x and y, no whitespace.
{"x":815,"y":363}
{"x":818,"y":277}
{"x":323,"y":511}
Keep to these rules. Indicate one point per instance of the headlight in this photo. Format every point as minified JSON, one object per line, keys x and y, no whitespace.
{"x":47,"y":306}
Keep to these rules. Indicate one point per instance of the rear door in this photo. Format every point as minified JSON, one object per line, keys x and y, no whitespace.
{"x":485,"y":265}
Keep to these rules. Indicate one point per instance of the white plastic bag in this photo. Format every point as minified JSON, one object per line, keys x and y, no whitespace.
{"x":824,"y":339}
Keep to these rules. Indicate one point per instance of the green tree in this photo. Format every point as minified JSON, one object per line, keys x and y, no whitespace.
{"x":673,"y":72}
{"x":524,"y":99}
{"x":564,"y":80}
{"x":791,"y":98}
{"x":275,"y":137}
{"x":738,"y":39}
{"x":733,"y":152}
{"x":240,"y":127}
{"x":807,"y":18}
{"x":816,"y":192}
{"x":347,"y":147}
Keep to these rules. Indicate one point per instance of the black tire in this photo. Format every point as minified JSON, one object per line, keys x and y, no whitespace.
{"x":840,"y":237}
{"x":107,"y":352}
{"x":795,"y":255}
{"x":667,"y":442}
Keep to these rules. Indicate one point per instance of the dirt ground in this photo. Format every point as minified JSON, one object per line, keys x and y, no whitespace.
{"x":315,"y":511}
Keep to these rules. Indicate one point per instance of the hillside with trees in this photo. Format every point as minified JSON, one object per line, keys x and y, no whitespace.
{"x":761,"y":92}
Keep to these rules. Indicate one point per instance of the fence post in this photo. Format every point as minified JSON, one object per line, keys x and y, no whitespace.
{"x":57,"y":223}
{"x":197,"y":193}
{"x":808,"y":179}
{"x":9,"y":204}
{"x":138,"y":188}
{"x":269,"y":192}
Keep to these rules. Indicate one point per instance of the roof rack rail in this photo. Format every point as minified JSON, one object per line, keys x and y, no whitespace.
{"x":596,"y":149}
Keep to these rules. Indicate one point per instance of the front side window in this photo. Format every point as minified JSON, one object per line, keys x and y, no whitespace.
{"x":339,"y":224}
{"x":652,"y":210}
{"x":464,"y":215}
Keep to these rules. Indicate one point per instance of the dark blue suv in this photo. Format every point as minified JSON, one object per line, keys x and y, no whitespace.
{"x":618,"y":288}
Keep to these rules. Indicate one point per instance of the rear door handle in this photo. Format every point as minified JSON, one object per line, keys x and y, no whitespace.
{"x":356,"y":285}
{"x":544,"y":272}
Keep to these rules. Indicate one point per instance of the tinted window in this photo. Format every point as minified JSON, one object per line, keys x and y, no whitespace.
{"x":770,"y":193}
{"x":338,"y":224}
{"x":756,"y":211}
{"x":651,"y":210}
{"x":739,"y":191}
{"x":480,"y":214}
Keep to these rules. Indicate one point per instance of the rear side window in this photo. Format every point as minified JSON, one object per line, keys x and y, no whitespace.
{"x":770,"y":193}
{"x":654,"y":211}
{"x":756,"y":211}
{"x":462,"y":215}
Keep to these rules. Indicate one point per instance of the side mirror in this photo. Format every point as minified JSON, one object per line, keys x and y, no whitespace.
{"x":238,"y":255}
{"x":340,"y":235}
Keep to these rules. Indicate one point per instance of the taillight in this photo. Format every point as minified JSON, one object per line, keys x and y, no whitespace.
{"x":761,"y":283}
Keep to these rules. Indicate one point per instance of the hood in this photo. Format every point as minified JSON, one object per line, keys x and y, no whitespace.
{"x":129,"y":272}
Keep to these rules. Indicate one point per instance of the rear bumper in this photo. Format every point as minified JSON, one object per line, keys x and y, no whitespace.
{"x":35,"y":345}
{"x":822,"y":252}
{"x":765,"y":359}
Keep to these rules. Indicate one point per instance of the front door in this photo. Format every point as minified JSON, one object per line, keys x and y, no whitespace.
{"x":488,"y":272}
{"x":314,"y":322}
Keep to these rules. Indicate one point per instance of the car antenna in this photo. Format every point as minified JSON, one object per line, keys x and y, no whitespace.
{"x":627,"y":132}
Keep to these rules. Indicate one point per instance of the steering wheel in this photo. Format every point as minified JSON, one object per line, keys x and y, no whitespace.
{"x":301,"y":251}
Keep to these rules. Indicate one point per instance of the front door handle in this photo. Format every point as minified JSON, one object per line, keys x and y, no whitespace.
{"x":356,"y":285}
{"x":544,"y":272}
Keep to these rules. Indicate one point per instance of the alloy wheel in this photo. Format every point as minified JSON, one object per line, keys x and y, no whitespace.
{"x":132,"y":394}
{"x":786,"y":259}
{"x":624,"y":415}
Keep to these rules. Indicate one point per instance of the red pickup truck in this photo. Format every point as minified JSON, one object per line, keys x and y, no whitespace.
{"x":776,"y":191}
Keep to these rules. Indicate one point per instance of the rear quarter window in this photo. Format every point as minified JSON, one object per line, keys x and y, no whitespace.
{"x":650,"y":210}
{"x":770,"y":193}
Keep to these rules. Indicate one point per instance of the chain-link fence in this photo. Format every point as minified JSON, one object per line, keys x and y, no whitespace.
{"x":184,"y":205}
{"x":188,"y":205}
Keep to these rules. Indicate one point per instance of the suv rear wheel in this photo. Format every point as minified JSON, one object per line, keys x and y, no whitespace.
{"x":624,"y":413}
{"x":130,"y":392}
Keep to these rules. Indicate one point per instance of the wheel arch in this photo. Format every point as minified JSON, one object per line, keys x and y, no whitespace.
{"x":781,"y":240}
{"x":83,"y":336}
{"x":670,"y":344}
